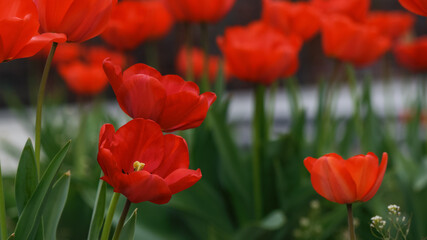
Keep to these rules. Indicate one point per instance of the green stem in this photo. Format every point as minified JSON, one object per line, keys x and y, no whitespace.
{"x":259,"y":138}
{"x":40,"y":99}
{"x":205,"y":76}
{"x":109,"y":219}
{"x":122,"y":220}
{"x":3,"y":227}
{"x":188,"y":48}
{"x":352,"y":235}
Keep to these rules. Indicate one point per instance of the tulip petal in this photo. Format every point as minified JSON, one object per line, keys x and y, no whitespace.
{"x":331,"y":179}
{"x":379,"y":179}
{"x":364,"y":171}
{"x":182,"y":179}
{"x":114,"y":74}
{"x":176,"y":156}
{"x":143,"y":186}
{"x":138,"y":140}
{"x":415,"y":6}
{"x":39,"y":42}
{"x":143,"y":70}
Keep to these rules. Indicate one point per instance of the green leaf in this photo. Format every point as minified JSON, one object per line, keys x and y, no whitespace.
{"x":128,"y":231}
{"x":26,"y":176}
{"x":98,"y":212}
{"x":29,"y":214}
{"x":55,"y":203}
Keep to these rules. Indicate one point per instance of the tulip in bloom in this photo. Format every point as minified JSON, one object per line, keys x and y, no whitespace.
{"x":133,"y":22}
{"x":354,"y":9}
{"x":392,"y":24}
{"x":19,"y":36}
{"x":351,"y":42}
{"x":197,"y":57}
{"x":80,"y":20}
{"x":260,"y":53}
{"x":84,"y":74}
{"x":416,"y":6}
{"x":196,"y":11}
{"x":292,"y":18}
{"x":141,"y":163}
{"x":356,"y":179}
{"x":412,"y":55}
{"x":142,"y":92}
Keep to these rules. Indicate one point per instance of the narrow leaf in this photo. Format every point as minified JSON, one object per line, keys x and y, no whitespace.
{"x":29,"y":214}
{"x":26,"y":176}
{"x":128,"y":231}
{"x":55,"y":203}
{"x":98,"y":212}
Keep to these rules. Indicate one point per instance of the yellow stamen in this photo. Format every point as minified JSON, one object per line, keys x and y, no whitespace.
{"x":138,"y":166}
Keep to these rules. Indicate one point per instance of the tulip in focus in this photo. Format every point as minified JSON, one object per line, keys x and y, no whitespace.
{"x":259,"y":53}
{"x":354,"y":9}
{"x":412,"y":55}
{"x":197,"y":11}
{"x":80,"y":20}
{"x":84,"y":75}
{"x":19,"y":32}
{"x":416,"y":6}
{"x":197,"y":57}
{"x":391,"y":24}
{"x":352,"y":42}
{"x":133,"y":22}
{"x":141,"y":163}
{"x":142,"y":92}
{"x":356,"y":179}
{"x":292,"y":18}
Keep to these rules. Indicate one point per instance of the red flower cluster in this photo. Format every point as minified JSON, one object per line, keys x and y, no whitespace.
{"x":209,"y":11}
{"x":351,"y":42}
{"x":259,"y":53}
{"x":346,"y":181}
{"x":81,"y":67}
{"x":142,"y":92}
{"x":19,"y":32}
{"x":143,"y":164}
{"x":412,"y":55}
{"x":297,"y":18}
{"x":133,"y":22}
{"x":197,"y":58}
{"x":354,"y":9}
{"x":391,"y":24}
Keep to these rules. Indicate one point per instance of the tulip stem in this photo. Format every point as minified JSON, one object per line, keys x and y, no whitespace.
{"x":205,"y":41}
{"x":40,"y":99}
{"x":352,"y":235}
{"x":122,"y":220}
{"x":3,"y":227}
{"x":259,"y":138}
{"x":111,"y":209}
{"x":188,"y":50}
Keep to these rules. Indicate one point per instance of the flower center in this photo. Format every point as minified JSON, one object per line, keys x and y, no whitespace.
{"x":138,"y":166}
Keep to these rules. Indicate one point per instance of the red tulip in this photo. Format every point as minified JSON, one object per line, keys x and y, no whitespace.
{"x":416,"y":6}
{"x":346,"y":181}
{"x":84,"y":74}
{"x":141,"y":163}
{"x":80,"y":20}
{"x":351,"y":42}
{"x":259,"y":53}
{"x":412,"y":55}
{"x":133,"y":22}
{"x":197,"y":57}
{"x":354,"y":9}
{"x":196,"y":11}
{"x":19,"y":37}
{"x":391,"y":24}
{"x":142,"y":92}
{"x":292,"y":18}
